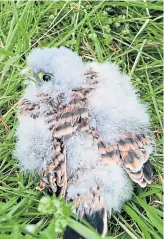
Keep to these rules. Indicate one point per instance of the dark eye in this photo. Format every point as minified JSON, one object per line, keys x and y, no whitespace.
{"x":46,"y":77}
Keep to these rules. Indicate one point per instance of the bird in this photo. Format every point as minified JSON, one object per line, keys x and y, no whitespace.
{"x":83,"y":129}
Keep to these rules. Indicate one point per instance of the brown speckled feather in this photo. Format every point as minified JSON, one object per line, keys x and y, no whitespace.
{"x":54,"y":179}
{"x":132,"y":153}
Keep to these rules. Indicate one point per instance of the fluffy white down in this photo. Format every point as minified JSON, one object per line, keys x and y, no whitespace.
{"x":34,"y":144}
{"x":115,"y":107}
{"x":85,"y":164}
{"x":81,"y":153}
{"x":66,"y":67}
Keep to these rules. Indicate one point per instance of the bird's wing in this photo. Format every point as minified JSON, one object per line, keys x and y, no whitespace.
{"x":62,"y":120}
{"x":132,"y":152}
{"x":54,"y":178}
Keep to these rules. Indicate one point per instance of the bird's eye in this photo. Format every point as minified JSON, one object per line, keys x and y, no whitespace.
{"x":44,"y":76}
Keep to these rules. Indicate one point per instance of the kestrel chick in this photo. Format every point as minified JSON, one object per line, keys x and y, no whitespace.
{"x":83,"y":129}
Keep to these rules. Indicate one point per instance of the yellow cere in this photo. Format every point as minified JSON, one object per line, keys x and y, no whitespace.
{"x":40,"y":75}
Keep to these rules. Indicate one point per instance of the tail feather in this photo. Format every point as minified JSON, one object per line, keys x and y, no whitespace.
{"x":93,"y":210}
{"x":71,"y":234}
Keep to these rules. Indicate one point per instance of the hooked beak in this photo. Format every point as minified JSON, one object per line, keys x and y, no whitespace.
{"x":27,"y":73}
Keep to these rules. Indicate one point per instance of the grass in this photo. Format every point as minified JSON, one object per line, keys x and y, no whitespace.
{"x":126,"y":32}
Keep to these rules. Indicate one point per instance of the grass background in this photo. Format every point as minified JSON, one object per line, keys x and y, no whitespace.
{"x":126,"y":32}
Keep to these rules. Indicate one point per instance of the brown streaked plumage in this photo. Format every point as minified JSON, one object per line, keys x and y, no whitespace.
{"x":130,"y":153}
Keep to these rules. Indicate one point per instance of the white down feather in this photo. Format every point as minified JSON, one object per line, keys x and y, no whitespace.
{"x":34,"y":147}
{"x":114,"y":104}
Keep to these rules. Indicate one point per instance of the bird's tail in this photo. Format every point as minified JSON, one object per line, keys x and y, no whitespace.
{"x":92,"y":209}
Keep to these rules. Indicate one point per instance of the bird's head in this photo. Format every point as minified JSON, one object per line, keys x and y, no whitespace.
{"x":57,"y":69}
